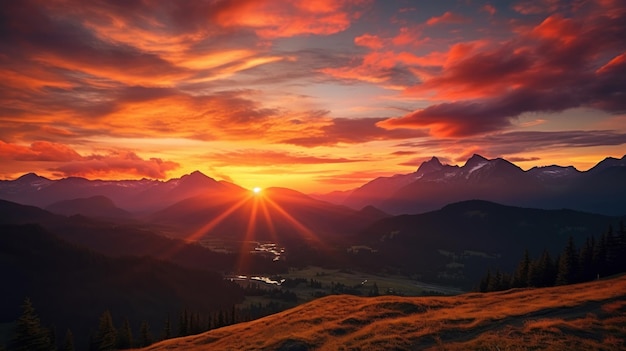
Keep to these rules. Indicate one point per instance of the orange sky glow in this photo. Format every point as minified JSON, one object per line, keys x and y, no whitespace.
{"x":312,"y":95}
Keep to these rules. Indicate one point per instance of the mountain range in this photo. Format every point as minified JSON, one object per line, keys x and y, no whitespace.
{"x":601,"y":189}
{"x":136,"y":196}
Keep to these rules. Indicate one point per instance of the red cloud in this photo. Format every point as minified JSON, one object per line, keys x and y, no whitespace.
{"x":38,"y":151}
{"x":73,"y":164}
{"x":273,"y":19}
{"x":447,"y":18}
{"x":116,"y":165}
{"x":269,"y":158}
{"x":534,"y":7}
{"x":373,"y":42}
{"x":561,"y":63}
{"x":351,"y":131}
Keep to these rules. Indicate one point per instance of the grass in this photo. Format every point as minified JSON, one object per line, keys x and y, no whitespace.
{"x":590,"y":316}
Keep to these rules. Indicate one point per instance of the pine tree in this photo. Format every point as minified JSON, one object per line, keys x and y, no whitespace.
{"x":484,"y":283}
{"x":599,"y":256}
{"x":495,"y":281}
{"x":125,"y":336}
{"x":586,"y":260}
{"x":520,"y":277}
{"x":68,"y":343}
{"x":145,"y":334}
{"x":568,"y":265}
{"x":29,"y":334}
{"x":621,"y":254}
{"x":183,"y":324}
{"x":53,"y":336}
{"x":106,"y":337}
{"x":167,"y":330}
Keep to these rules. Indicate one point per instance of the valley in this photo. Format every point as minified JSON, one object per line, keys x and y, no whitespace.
{"x":275,"y":251}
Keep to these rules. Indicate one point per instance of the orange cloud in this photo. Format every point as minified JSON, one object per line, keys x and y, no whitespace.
{"x":38,"y":151}
{"x":116,"y":165}
{"x":448,"y":18}
{"x":270,"y":158}
{"x":370,"y":41}
{"x":274,"y":19}
{"x":71,"y":163}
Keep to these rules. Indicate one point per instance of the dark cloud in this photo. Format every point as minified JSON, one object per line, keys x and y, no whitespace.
{"x":71,"y":163}
{"x":351,"y":131}
{"x":525,"y":141}
{"x":559,"y":64}
{"x":270,"y":158}
{"x":116,"y":164}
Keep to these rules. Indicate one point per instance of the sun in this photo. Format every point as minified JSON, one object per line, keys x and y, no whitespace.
{"x":256,"y":190}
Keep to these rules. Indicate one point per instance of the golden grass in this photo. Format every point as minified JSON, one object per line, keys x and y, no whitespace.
{"x":590,"y":316}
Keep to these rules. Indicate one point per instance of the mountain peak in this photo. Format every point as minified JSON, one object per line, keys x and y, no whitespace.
{"x":477,"y":157}
{"x":429,"y":166}
{"x":196,"y":176}
{"x":475,"y":160}
{"x":29,"y":177}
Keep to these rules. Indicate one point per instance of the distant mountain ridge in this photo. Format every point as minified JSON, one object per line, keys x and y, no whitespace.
{"x":96,"y":206}
{"x":144,"y":195}
{"x":601,"y":189}
{"x":462,"y":240}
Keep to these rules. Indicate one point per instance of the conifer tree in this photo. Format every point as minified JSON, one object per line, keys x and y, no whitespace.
{"x":599,"y":256}
{"x":568,"y":265}
{"x":68,"y":343}
{"x":29,"y":334}
{"x":183,"y":324}
{"x":145,"y":334}
{"x":586,"y":260}
{"x":520,"y":277}
{"x":621,"y":244}
{"x":484,"y":283}
{"x":106,"y":337}
{"x":125,"y":336}
{"x":167,"y":329}
{"x":495,"y":281}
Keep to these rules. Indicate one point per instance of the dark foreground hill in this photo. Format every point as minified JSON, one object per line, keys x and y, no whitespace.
{"x":96,"y":206}
{"x":459,"y":242}
{"x":71,"y":286}
{"x":590,"y":316}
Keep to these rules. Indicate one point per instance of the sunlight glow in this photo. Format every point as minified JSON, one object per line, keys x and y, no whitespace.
{"x":256,"y":190}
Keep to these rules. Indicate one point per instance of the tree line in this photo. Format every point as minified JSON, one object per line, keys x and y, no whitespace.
{"x":596,"y":258}
{"x":30,"y":335}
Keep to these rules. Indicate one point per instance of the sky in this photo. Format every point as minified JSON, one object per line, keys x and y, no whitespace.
{"x":311,"y":95}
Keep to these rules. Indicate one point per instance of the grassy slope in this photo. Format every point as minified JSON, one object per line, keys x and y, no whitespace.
{"x":588,"y":316}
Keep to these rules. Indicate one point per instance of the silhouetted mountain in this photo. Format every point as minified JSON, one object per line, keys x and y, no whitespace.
{"x":334,"y":197}
{"x":600,"y":189}
{"x":95,"y":206}
{"x":461,"y":241}
{"x":128,"y":239}
{"x":139,"y":196}
{"x":71,"y":287}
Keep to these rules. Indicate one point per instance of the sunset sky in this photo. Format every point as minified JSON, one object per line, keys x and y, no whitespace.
{"x":312,"y":95}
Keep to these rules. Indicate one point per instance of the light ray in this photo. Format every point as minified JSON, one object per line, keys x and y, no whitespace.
{"x":217,"y":220}
{"x":249,"y":235}
{"x":308,"y":234}
{"x":269,"y":221}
